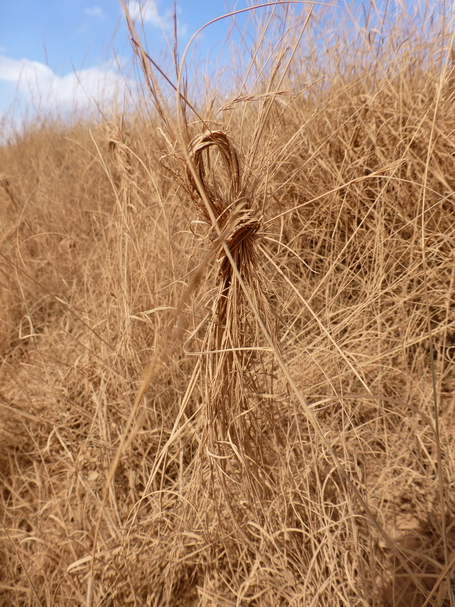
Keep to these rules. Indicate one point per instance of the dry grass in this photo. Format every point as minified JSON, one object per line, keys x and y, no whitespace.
{"x":282,"y":250}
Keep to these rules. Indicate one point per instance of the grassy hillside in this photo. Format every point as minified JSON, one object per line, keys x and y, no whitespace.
{"x":227,"y":332}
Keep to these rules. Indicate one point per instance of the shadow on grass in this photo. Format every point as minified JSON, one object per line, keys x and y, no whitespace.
{"x":424,"y":548}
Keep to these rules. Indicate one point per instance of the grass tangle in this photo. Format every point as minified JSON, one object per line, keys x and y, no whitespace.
{"x":227,"y":327}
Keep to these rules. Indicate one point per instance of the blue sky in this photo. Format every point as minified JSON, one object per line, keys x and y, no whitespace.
{"x":62,"y":54}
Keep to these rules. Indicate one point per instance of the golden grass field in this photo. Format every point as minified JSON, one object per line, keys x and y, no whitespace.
{"x":227,"y":332}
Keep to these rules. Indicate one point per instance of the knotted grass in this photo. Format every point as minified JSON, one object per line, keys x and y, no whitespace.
{"x":240,"y":410}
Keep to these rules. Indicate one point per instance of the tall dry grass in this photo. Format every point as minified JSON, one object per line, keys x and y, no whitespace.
{"x":228,"y":331}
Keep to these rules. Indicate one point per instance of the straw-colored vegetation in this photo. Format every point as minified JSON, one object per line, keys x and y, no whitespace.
{"x":227,"y":328}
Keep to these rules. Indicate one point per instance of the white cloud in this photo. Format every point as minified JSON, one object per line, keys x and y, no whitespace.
{"x":145,"y":11}
{"x":39,"y":87}
{"x":95,"y":11}
{"x":150,"y":12}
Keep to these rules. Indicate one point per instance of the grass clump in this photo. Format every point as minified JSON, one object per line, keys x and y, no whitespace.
{"x":278,"y":255}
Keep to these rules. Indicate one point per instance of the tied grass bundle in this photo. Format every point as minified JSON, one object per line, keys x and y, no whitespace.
{"x":240,"y":413}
